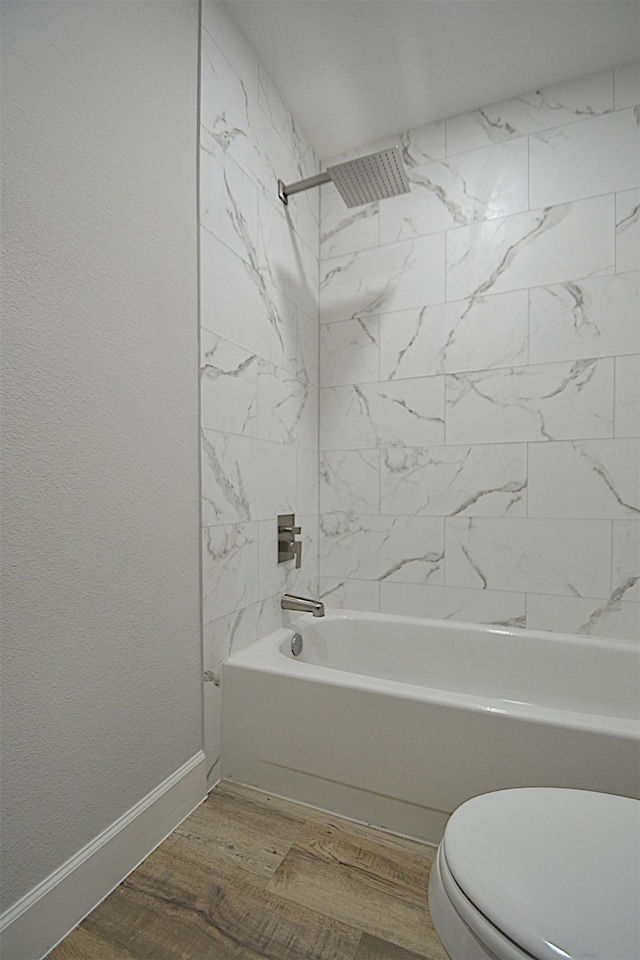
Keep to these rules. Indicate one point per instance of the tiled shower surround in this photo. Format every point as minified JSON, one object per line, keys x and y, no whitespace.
{"x":479,"y":370}
{"x":259,"y":353}
{"x":478,"y":364}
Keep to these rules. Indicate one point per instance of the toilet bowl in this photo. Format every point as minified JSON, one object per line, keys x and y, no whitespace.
{"x":539,"y":873}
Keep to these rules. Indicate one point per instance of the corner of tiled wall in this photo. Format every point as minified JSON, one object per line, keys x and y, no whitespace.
{"x":259,"y":352}
{"x":479,"y":358}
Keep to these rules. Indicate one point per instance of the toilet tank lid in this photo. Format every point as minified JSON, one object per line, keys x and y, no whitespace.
{"x":555,"y":870}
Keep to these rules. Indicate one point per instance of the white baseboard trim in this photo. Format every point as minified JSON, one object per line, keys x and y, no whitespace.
{"x":45,"y":915}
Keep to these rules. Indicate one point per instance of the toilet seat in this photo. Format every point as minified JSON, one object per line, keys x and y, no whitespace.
{"x":464,"y":931}
{"x":542,"y":873}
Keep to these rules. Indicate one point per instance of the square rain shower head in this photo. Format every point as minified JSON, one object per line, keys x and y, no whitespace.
{"x":374,"y":177}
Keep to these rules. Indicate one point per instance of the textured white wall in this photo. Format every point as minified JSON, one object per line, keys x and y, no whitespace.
{"x":101,"y":651}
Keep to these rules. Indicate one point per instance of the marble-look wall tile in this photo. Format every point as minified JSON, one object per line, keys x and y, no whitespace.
{"x":224,"y":498}
{"x":345,"y":229}
{"x":228,"y":202}
{"x":228,"y":386}
{"x":259,"y":366}
{"x":595,"y":618}
{"x":585,"y":159}
{"x":530,"y":335}
{"x":535,"y":336}
{"x":228,"y":635}
{"x":476,"y":186}
{"x":407,"y":549}
{"x":349,"y":352}
{"x":382,"y":279}
{"x":233,"y":490}
{"x":499,"y":607}
{"x":542,"y":109}
{"x":406,"y":412}
{"x":235,"y":126}
{"x":627,"y":397}
{"x":559,"y":557}
{"x":238,"y":304}
{"x":554,"y":401}
{"x":584,"y":319}
{"x":224,"y":110}
{"x":229,"y":568}
{"x":287,"y":407}
{"x":627,"y":230}
{"x":344,"y":594}
{"x":350,"y":481}
{"x":625,"y":569}
{"x":482,"y":480}
{"x":592,"y":478}
{"x":569,"y":241}
{"x":627,"y":85}
{"x":450,"y":337}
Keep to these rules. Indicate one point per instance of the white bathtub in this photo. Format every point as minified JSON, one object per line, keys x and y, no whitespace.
{"x":395,"y":721}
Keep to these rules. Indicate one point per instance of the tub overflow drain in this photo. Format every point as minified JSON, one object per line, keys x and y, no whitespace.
{"x":296,"y":644}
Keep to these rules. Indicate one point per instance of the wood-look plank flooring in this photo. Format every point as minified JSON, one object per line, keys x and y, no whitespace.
{"x":250,"y":876}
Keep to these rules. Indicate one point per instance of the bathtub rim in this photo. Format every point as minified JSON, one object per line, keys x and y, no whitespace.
{"x":467,"y":626}
{"x":267,"y":656}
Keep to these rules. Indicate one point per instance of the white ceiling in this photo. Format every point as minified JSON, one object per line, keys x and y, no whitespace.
{"x":355,"y":71}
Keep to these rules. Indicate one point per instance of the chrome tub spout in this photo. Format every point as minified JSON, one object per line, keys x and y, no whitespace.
{"x":302,"y":605}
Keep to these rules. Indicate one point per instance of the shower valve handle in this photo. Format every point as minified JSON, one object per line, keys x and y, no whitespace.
{"x":288,"y":533}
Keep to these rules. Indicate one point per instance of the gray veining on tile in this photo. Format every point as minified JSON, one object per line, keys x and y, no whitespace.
{"x":487,"y":480}
{"x":480,"y":334}
{"x":539,"y":110}
{"x":566,"y":241}
{"x":229,"y":568}
{"x":408,"y":549}
{"x":558,"y":557}
{"x":590,"y":478}
{"x":405,"y":412}
{"x":585,"y":319}
{"x":543,"y":402}
{"x":350,"y":481}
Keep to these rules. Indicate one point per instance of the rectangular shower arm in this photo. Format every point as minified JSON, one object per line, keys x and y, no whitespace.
{"x":285,"y":190}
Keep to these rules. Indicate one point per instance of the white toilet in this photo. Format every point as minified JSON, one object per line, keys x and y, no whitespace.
{"x":539,"y":872}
